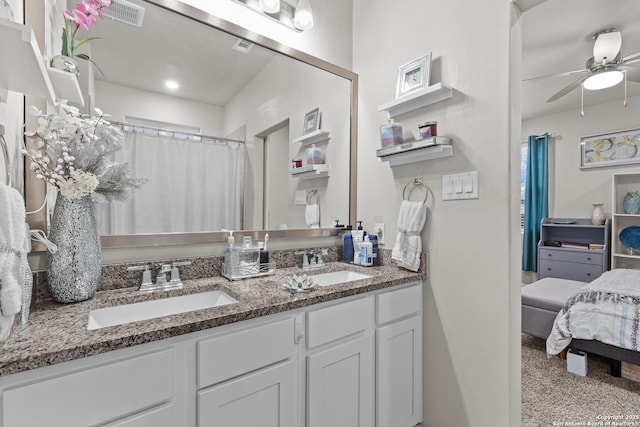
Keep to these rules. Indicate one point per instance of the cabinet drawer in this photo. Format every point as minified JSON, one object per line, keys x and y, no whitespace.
{"x":569,"y":270}
{"x":398,"y":304}
{"x":227,"y":356}
{"x":157,"y":417}
{"x":92,"y":396}
{"x":582,"y":257}
{"x":338,"y":321}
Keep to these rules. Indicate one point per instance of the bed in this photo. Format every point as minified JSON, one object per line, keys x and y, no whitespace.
{"x":601,"y":317}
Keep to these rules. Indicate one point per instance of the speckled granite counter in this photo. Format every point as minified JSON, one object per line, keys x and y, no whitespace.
{"x":58,"y":332}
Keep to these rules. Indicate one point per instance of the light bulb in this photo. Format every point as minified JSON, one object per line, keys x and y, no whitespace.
{"x":171,"y":84}
{"x":269,"y":6}
{"x":303,"y":18}
{"x":603,"y":80}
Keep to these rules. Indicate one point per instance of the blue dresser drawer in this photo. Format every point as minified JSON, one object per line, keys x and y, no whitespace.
{"x":569,"y":270}
{"x":583,"y":257}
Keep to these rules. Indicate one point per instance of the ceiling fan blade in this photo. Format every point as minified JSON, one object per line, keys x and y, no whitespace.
{"x":607,"y":46}
{"x":631,"y":58}
{"x":567,"y":89}
{"x":568,"y":73}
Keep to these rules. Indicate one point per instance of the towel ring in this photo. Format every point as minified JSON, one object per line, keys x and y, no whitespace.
{"x":310,"y":195}
{"x":417,"y":182}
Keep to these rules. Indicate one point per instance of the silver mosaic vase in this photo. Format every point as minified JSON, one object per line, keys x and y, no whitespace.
{"x":73,"y":272}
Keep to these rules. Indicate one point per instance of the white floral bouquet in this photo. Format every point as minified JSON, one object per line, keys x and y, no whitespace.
{"x":74,"y":153}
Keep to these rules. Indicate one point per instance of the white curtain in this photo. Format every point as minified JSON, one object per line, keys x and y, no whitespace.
{"x":192,"y":186}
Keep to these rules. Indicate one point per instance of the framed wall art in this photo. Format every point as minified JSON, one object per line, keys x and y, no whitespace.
{"x":413,"y":75}
{"x":311,"y":121}
{"x":610,"y":149}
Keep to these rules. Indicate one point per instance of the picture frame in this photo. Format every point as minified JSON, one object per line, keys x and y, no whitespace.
{"x":610,"y":149}
{"x":414,"y":75}
{"x":311,"y":121}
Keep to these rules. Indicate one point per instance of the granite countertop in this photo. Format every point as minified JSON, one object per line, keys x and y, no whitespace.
{"x":58,"y":332}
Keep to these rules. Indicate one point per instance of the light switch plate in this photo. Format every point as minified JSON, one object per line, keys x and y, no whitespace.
{"x":300,"y":197}
{"x":460,"y":186}
{"x":378,"y":228}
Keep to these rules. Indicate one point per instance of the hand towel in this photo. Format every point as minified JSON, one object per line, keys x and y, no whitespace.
{"x":15,"y":274}
{"x":312,"y":215}
{"x":408,"y":246}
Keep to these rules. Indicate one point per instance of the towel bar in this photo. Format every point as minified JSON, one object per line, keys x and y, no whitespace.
{"x":417,"y":182}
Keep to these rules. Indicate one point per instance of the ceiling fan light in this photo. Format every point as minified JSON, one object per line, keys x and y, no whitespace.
{"x":603,"y":80}
{"x":269,"y":6}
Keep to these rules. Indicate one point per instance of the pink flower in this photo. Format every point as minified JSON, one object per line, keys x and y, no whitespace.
{"x":78,"y":18}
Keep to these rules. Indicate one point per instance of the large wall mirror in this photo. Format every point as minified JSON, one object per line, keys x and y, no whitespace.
{"x":248,"y":92}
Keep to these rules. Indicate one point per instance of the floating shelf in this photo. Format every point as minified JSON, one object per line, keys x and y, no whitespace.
{"x":418,"y":99}
{"x":416,"y":151}
{"x":27,"y":72}
{"x":66,"y":86}
{"x":313,"y":137}
{"x":311,"y":172}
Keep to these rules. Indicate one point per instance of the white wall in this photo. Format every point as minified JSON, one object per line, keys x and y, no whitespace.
{"x":120,"y":101}
{"x":573,"y":190}
{"x":468,"y":302}
{"x":329,"y":39}
{"x":11,"y":116}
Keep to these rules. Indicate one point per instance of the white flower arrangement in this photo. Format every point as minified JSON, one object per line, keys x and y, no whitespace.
{"x":73,"y":153}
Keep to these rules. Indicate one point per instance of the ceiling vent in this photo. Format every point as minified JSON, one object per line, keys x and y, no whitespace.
{"x":125,"y":11}
{"x":242,"y":45}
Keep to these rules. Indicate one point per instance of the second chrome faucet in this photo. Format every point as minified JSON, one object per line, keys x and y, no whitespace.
{"x":162,"y":283}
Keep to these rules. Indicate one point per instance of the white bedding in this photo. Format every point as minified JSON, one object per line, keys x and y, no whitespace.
{"x":607,"y":310}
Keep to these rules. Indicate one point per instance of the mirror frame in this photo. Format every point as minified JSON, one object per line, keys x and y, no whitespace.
{"x":34,"y":194}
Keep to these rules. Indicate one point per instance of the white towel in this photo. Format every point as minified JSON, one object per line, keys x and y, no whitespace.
{"x":312,"y":215}
{"x":15,"y":275}
{"x":408,"y":247}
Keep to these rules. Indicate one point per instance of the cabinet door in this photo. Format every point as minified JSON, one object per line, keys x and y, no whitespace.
{"x":399,"y":374}
{"x":266,"y":398}
{"x":340,"y":385}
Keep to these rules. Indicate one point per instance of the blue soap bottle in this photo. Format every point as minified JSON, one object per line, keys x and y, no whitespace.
{"x":347,"y":246}
{"x":373,"y":238}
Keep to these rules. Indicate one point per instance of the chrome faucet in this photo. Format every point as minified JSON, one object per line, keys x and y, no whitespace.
{"x":161,"y":279}
{"x":311,"y":259}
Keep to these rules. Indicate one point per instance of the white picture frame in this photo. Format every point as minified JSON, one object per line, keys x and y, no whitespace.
{"x":414,"y":75}
{"x":311,"y":121}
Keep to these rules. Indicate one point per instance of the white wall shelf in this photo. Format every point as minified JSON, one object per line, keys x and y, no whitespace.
{"x":416,"y":152}
{"x":23,"y":69}
{"x":313,"y":137}
{"x":311,"y":172}
{"x":418,"y":99}
{"x":621,"y":256}
{"x":66,"y":86}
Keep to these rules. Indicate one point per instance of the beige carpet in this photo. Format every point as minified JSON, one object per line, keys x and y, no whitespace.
{"x":551,"y":396}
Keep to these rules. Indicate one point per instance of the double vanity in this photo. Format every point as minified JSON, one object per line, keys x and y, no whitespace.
{"x":225,"y":353}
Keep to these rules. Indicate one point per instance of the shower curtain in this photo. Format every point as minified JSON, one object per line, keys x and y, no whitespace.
{"x":536,"y":199}
{"x":193,"y":185}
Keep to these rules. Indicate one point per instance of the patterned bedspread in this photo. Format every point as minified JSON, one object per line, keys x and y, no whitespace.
{"x":607,"y":310}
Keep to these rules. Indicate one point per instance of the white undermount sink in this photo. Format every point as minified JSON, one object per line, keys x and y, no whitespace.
{"x":127,"y":313}
{"x":337,"y":277}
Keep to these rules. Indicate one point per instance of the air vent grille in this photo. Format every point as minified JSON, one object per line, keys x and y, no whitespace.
{"x":125,"y":11}
{"x":242,"y":45}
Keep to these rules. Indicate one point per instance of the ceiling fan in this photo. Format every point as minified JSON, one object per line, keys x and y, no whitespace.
{"x":604,"y":69}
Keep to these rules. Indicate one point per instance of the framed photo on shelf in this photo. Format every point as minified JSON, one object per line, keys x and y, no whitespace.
{"x":610,"y":149}
{"x":311,"y":121}
{"x":413,"y":75}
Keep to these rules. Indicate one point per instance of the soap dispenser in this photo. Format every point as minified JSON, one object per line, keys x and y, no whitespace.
{"x":366,"y":252}
{"x":358,"y":238}
{"x":347,"y":246}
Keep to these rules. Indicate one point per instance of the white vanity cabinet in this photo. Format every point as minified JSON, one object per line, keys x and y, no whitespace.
{"x":340,"y":364}
{"x":124,"y":389}
{"x":353,"y":362}
{"x":248,"y":377}
{"x":399,"y":357}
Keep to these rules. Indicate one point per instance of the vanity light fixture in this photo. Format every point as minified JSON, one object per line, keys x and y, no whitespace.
{"x":293,"y":14}
{"x":269,"y":6}
{"x":171,"y":84}
{"x":303,"y":18}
